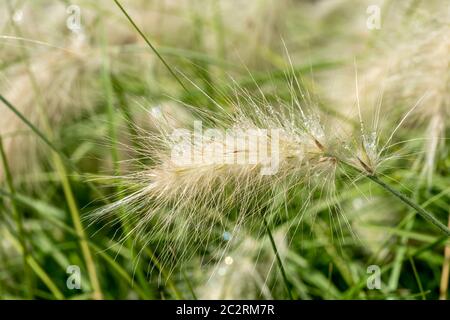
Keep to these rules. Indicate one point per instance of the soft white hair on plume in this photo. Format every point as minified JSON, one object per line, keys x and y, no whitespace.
{"x":186,"y":203}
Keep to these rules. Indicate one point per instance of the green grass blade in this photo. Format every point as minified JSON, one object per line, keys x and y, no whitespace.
{"x":151,"y":46}
{"x":19,"y":222}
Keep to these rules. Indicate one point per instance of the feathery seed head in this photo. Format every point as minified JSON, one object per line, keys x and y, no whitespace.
{"x":194,"y":181}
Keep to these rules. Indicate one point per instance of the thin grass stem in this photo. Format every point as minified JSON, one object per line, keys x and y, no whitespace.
{"x":19,"y":222}
{"x":151,"y":46}
{"x":188,"y":282}
{"x":443,"y":288}
{"x":158,"y":265}
{"x":416,"y":275}
{"x":59,"y":166}
{"x":38,"y":270}
{"x":425,"y":214}
{"x":108,"y":87}
{"x":52,"y":146}
{"x":279,"y":262}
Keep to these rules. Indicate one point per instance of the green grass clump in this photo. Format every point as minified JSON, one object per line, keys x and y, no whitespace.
{"x":85,"y":116}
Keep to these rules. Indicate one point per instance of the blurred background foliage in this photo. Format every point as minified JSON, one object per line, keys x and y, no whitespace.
{"x":87,"y":90}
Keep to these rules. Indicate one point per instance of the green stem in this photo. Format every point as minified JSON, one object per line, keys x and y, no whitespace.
{"x":188,"y":282}
{"x":279,"y":262}
{"x":76,"y":219}
{"x":58,"y":158}
{"x":151,"y":46}
{"x":425,"y":214}
{"x":109,"y":95}
{"x":402,"y":249}
{"x":50,"y":144}
{"x":164,"y":273}
{"x":59,"y":166}
{"x":38,"y":270}
{"x":28,"y":123}
{"x":19,"y":222}
{"x":416,"y":275}
{"x":108,"y":86}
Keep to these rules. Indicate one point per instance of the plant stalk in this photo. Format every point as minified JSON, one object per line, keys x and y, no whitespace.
{"x":279,"y":262}
{"x":425,"y":214}
{"x":445,"y":271}
{"x":59,"y":166}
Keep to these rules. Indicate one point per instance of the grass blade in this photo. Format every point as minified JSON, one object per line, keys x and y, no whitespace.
{"x":19,"y":222}
{"x":151,"y":46}
{"x":425,"y":214}
{"x":279,"y":262}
